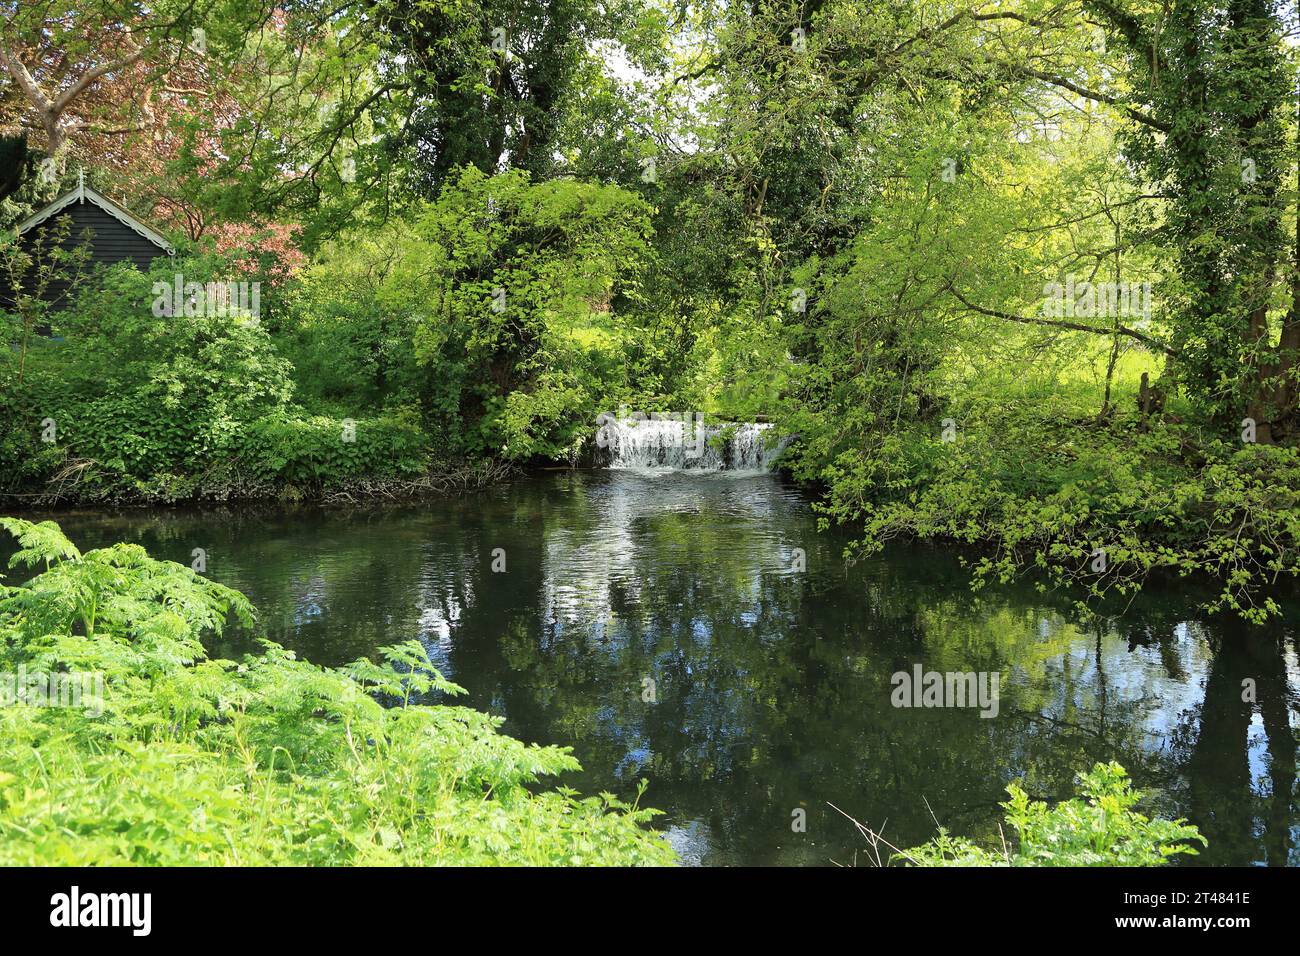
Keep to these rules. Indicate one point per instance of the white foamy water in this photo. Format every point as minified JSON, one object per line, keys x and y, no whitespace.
{"x":679,"y":446}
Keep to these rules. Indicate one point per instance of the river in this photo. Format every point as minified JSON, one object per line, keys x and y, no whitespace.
{"x":696,"y":630}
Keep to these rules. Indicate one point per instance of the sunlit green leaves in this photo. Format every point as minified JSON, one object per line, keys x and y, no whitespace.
{"x":1101,"y":828}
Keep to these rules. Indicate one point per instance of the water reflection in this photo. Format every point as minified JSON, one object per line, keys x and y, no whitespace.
{"x":771,"y":684}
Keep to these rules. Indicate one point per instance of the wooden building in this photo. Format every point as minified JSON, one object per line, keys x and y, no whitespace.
{"x":111,"y":233}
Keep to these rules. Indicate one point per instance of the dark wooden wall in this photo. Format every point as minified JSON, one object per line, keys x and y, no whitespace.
{"x":110,"y":242}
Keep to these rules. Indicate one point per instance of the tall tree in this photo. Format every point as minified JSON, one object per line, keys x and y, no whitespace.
{"x":94,"y":67}
{"x":1216,"y":137}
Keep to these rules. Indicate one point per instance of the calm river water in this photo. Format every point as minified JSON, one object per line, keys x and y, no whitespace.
{"x":771,"y":685}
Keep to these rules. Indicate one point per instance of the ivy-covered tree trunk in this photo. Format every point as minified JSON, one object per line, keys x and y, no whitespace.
{"x":1216,"y":77}
{"x":1285,"y":393}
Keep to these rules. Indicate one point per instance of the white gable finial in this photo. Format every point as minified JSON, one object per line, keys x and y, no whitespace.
{"x":81,"y":184}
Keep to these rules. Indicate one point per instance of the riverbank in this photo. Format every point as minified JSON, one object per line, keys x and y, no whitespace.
{"x":1094,"y":504}
{"x":70,"y":489}
{"x":391,"y":464}
{"x":1017,"y":492}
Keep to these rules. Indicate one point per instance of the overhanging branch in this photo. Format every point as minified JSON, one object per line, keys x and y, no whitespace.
{"x":1062,"y":323}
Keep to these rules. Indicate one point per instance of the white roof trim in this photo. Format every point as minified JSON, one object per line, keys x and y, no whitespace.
{"x":84,"y":193}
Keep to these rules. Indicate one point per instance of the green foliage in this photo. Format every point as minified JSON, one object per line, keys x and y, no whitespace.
{"x":140,"y":395}
{"x":1221,"y":94}
{"x":1165,"y":500}
{"x":25,"y":460}
{"x":1099,"y":828}
{"x":524,"y":279}
{"x":319,"y":451}
{"x":161,"y":407}
{"x":269,"y":761}
{"x":348,"y":327}
{"x":412,"y":314}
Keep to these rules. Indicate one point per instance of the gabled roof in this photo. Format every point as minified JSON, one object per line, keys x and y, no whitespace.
{"x":84,"y":193}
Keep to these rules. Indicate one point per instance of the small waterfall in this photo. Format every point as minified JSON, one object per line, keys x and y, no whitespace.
{"x":675,"y":445}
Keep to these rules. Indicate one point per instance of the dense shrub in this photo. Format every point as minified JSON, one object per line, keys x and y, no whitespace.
{"x":325,"y":452}
{"x":348,"y":326}
{"x":167,"y":408}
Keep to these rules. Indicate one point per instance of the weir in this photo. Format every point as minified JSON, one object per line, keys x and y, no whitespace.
{"x":674,"y":445}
